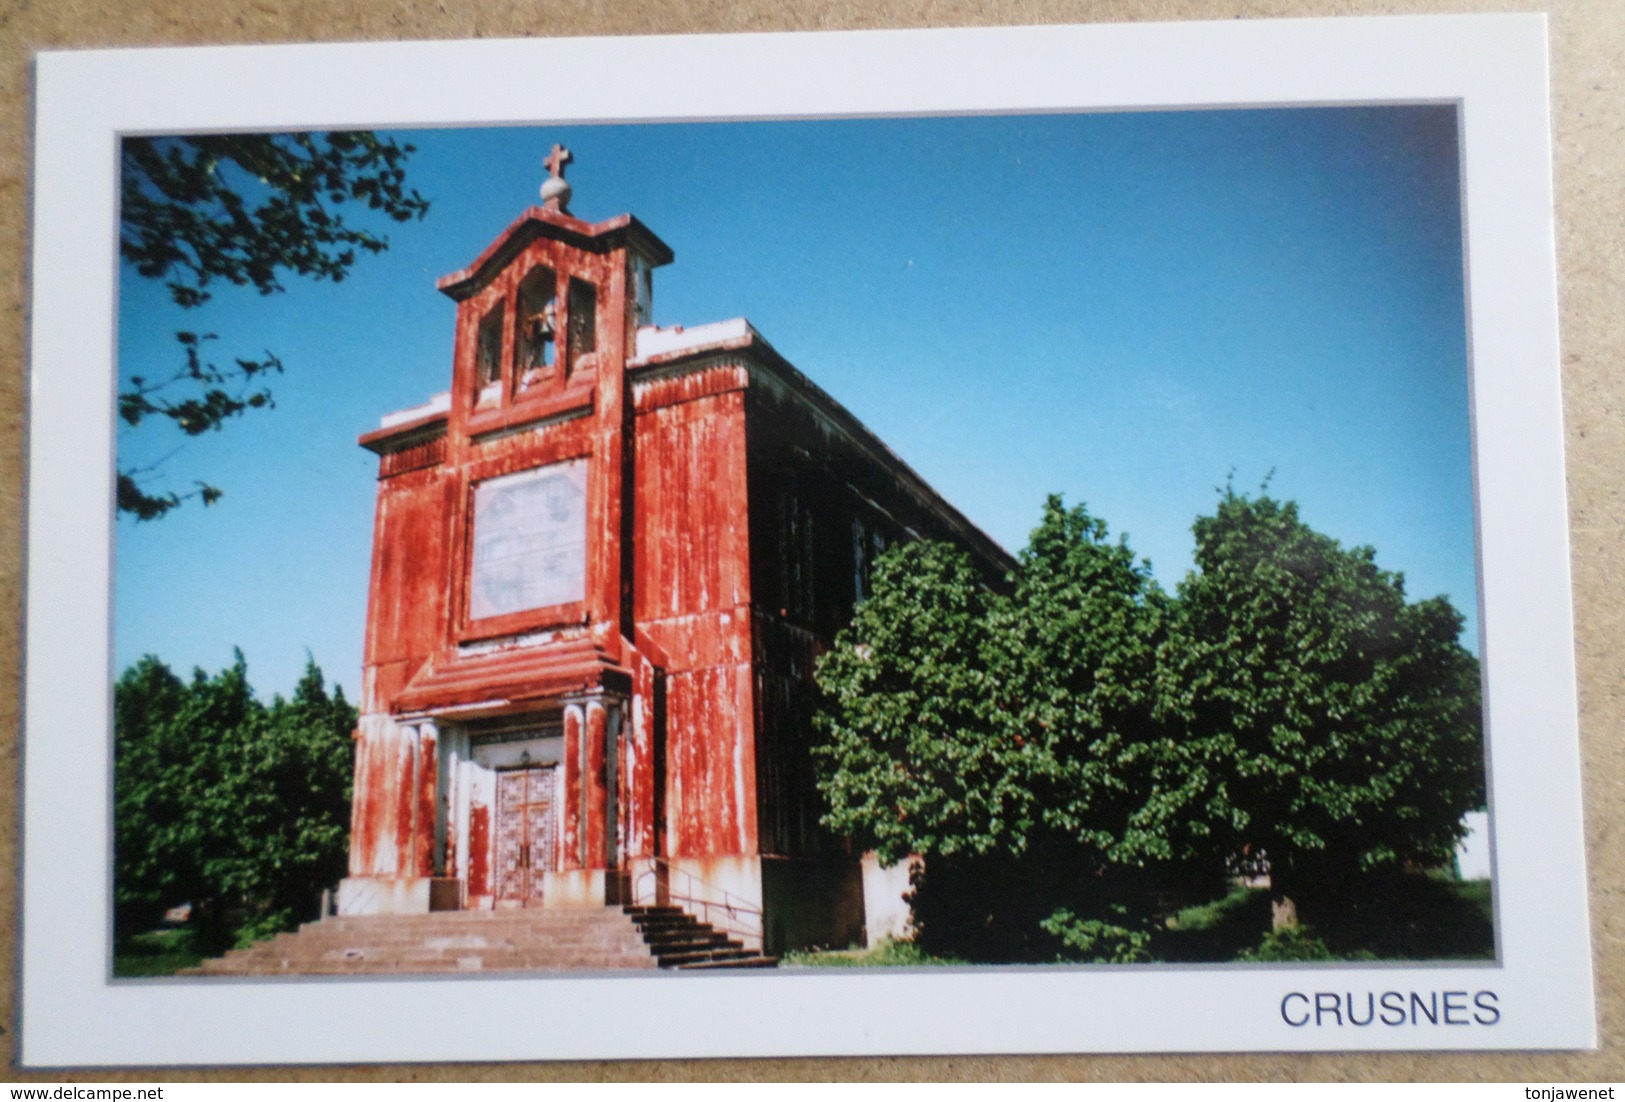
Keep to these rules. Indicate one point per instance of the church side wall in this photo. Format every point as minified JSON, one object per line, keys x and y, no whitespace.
{"x":407,"y":598}
{"x":692,"y":599}
{"x":815,"y":526}
{"x":822,"y":509}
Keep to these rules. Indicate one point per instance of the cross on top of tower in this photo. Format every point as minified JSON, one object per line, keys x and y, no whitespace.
{"x":555,"y":191}
{"x":557,"y":159}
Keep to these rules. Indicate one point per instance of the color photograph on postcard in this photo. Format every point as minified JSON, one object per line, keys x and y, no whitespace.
{"x":1055,"y":554}
{"x":914,"y":541}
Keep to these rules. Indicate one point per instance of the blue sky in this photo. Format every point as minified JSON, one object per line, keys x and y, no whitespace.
{"x":1121,"y":308}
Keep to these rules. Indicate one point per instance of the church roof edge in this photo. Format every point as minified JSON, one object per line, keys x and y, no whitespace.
{"x":623,"y":230}
{"x":738,"y":337}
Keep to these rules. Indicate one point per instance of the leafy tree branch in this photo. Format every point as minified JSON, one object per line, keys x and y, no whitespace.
{"x":245,"y":210}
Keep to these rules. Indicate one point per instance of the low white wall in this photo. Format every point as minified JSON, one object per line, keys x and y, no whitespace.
{"x":886,"y":912}
{"x":1473,"y":851}
{"x":573,"y":888}
{"x":707,"y":886}
{"x":381,"y":895}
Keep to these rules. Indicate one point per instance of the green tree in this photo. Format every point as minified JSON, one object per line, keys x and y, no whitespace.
{"x":240,"y":209}
{"x":239,"y":808}
{"x":155,"y":757}
{"x":1076,"y":662}
{"x":915,"y":759}
{"x":910,"y":759}
{"x":284,"y":797}
{"x":1335,"y":726}
{"x":1078,"y":650}
{"x":1010,"y":740}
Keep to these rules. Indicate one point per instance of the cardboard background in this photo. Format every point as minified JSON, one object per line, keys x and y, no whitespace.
{"x":1588,"y":111}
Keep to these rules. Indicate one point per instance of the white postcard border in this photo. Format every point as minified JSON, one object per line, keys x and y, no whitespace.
{"x":1493,"y":66}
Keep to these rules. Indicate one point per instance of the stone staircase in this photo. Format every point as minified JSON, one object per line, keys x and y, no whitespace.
{"x":678,"y":940}
{"x":462,"y":942}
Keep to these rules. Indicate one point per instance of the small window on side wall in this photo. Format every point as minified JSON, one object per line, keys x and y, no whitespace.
{"x":538,"y":327}
{"x":583,"y":322}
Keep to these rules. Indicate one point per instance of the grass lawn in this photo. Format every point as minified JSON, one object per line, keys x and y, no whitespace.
{"x":887,"y":954}
{"x":1426,"y":918}
{"x":1411,"y":918}
{"x":1219,"y":930}
{"x":160,"y":952}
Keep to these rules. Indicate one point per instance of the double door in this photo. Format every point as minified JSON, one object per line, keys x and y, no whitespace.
{"x":527,"y":833}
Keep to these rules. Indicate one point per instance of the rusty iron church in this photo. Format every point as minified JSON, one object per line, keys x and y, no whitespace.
{"x":603,"y":565}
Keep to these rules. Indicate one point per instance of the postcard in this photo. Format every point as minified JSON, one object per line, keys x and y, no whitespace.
{"x":1042,"y":539}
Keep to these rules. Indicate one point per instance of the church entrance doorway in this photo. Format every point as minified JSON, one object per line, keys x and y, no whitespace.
{"x":526,"y":834}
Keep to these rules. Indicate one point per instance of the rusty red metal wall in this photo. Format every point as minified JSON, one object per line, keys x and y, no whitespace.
{"x":479,"y":851}
{"x":569,"y":838}
{"x":594,"y":802}
{"x":691,"y":585}
{"x":423,"y":815}
{"x":691,"y":556}
{"x":406,"y":604}
{"x":361,"y":821}
{"x":393,"y":806}
{"x":710,"y":762}
{"x":638,"y":800}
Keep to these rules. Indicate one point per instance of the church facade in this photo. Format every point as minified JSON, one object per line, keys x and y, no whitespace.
{"x":604,"y":563}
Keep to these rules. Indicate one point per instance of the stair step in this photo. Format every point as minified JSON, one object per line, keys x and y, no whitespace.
{"x":667,"y":952}
{"x":696,"y":935}
{"x":452,"y":944}
{"x":666,"y":922}
{"x":680,"y":941}
{"x":673,"y":960}
{"x":507,"y":941}
{"x":756,"y":961}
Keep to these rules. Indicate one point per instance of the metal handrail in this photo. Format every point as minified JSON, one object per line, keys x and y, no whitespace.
{"x":742,"y":919}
